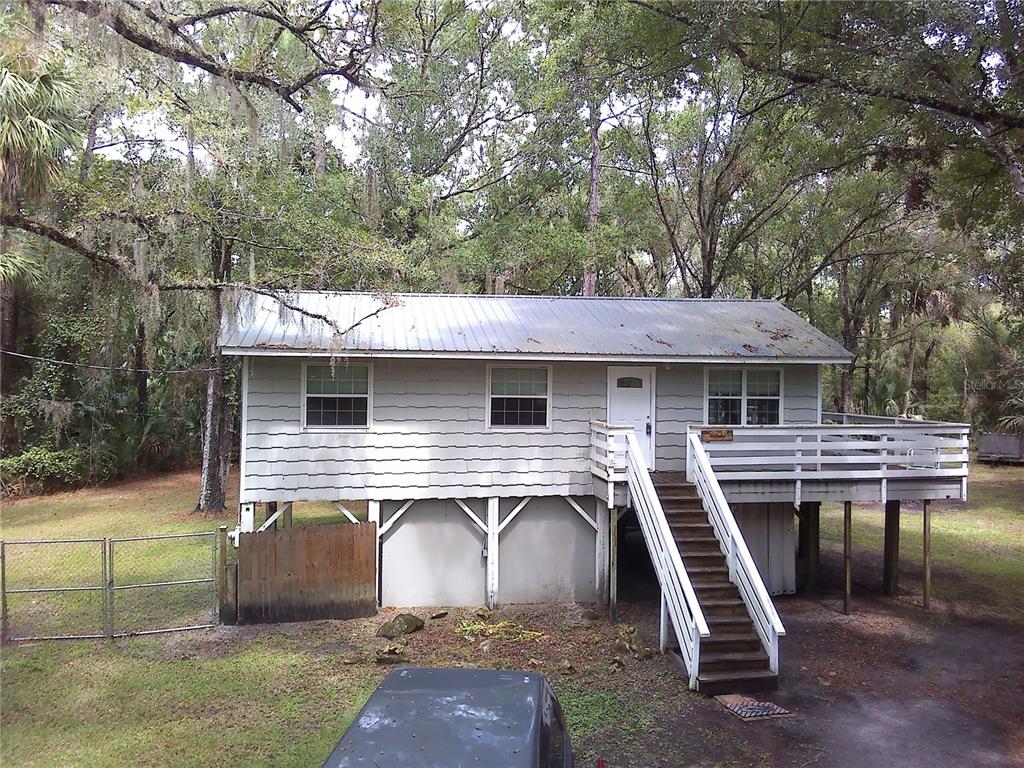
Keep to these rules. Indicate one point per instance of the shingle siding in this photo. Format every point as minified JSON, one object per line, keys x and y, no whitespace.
{"x":429,"y":439}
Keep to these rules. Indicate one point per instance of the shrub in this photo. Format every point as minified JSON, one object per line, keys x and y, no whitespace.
{"x":41,"y":469}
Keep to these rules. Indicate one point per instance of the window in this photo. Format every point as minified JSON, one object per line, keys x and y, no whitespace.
{"x":337,"y":398}
{"x":518,"y":397}
{"x":629,"y":382}
{"x":739,"y":397}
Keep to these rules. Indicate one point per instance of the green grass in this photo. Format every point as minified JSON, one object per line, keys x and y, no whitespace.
{"x":977,"y":548}
{"x":147,"y":506}
{"x":283,"y":696}
{"x":97,"y":703}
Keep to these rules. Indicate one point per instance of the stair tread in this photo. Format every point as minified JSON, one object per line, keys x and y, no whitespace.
{"x":731,"y":637}
{"x":734,"y":674}
{"x":713,"y":656}
{"x":716,"y":602}
{"x":708,"y":569}
{"x":692,"y":539}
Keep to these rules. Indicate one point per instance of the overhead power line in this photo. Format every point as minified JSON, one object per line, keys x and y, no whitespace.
{"x":104,"y":367}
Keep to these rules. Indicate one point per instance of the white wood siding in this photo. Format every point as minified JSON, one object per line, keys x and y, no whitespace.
{"x":680,"y":401}
{"x":428,"y":440}
{"x":429,"y":437}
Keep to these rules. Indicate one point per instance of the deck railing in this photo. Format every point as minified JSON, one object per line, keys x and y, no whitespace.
{"x":608,"y":454}
{"x":617,"y":458}
{"x":677,"y":594}
{"x":742,"y":570}
{"x":854,"y":449}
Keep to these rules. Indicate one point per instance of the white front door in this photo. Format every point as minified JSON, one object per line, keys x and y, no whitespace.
{"x":631,"y":402}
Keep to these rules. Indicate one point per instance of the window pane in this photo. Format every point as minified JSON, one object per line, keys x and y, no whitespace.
{"x":725,"y":383}
{"x":763,"y":383}
{"x":519,"y":381}
{"x":519,"y":411}
{"x":723,"y":410}
{"x":629,"y":382}
{"x":337,"y":412}
{"x":762,"y":411}
{"x":347,"y":380}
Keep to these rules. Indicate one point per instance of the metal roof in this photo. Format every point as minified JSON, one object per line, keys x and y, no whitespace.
{"x":522,"y":327}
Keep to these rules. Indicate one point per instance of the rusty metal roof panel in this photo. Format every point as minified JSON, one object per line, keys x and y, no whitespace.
{"x":316,"y":323}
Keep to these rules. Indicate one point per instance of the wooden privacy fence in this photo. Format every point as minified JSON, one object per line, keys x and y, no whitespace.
{"x":300,"y":574}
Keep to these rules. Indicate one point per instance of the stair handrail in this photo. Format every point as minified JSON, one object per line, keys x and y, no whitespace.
{"x":678,"y":594}
{"x":742,"y":570}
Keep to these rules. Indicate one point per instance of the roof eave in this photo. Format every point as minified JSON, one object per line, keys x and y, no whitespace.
{"x":269,"y":351}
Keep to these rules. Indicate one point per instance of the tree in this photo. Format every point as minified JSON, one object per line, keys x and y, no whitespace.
{"x":37,"y":126}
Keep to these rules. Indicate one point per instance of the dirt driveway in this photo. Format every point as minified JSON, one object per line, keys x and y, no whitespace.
{"x":887,"y":686}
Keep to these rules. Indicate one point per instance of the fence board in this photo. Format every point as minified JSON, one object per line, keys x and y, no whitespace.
{"x":305,"y":573}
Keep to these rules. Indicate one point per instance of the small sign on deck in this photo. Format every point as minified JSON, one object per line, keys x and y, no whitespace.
{"x":716,"y":435}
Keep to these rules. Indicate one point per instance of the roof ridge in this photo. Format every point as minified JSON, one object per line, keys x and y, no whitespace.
{"x":425,"y":294}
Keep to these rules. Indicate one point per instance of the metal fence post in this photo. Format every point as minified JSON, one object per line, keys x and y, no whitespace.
{"x":3,"y":590}
{"x":105,"y":594}
{"x":109,"y":627}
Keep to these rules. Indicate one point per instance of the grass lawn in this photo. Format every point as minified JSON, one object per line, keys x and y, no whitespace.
{"x":977,"y":547}
{"x":282,"y":695}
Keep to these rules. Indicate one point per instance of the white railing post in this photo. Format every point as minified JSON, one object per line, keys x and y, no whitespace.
{"x":742,"y":570}
{"x":680,"y":608}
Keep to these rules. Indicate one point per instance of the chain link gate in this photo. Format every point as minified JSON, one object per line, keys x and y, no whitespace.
{"x":62,"y":589}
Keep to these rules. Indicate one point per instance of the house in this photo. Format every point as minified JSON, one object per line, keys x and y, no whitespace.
{"x":498,"y":440}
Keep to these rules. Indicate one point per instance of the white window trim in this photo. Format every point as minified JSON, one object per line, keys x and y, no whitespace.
{"x":743,"y":393}
{"x":487,"y":399}
{"x":340,"y":427}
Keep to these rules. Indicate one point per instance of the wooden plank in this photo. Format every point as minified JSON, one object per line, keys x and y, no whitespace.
{"x":309,"y":572}
{"x":927,"y":536}
{"x":847,"y":557}
{"x":891,"y":554}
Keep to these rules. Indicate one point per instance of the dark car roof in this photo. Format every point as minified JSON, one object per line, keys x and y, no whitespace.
{"x":446,"y":717}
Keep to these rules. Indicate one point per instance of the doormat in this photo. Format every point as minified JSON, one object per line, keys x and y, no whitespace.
{"x":749,"y":709}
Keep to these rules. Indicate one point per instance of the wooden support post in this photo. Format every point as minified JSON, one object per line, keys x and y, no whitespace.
{"x":927,"y":554}
{"x":492,"y":551}
{"x":373,"y":516}
{"x":847,"y":557}
{"x":613,"y":567}
{"x":891,"y":554}
{"x":222,"y":563}
{"x":286,"y":515}
{"x":810,"y":543}
{"x":663,"y":632}
{"x":271,"y":511}
{"x":602,"y":541}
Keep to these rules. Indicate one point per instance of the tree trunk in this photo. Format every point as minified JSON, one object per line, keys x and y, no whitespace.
{"x":925,"y":368}
{"x":8,"y":343}
{"x":217,"y":418}
{"x":211,"y":486}
{"x":141,"y":376}
{"x":911,"y":360}
{"x":593,"y":202}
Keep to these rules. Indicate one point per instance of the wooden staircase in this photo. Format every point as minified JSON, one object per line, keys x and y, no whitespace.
{"x":732,"y":659}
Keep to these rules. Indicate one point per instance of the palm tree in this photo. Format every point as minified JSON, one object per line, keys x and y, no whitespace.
{"x":37,"y":127}
{"x":37,"y":115}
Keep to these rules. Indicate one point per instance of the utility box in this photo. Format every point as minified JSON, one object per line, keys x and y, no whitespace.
{"x":996,"y":447}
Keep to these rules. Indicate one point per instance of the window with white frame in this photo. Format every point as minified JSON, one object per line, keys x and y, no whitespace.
{"x":518,"y":398}
{"x":337,"y":396}
{"x":737,"y":397}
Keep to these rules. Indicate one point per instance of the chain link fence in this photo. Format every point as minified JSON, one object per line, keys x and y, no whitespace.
{"x":89,"y":588}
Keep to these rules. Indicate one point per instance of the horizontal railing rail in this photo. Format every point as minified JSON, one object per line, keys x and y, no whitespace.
{"x":678,"y":595}
{"x":851,"y":452}
{"x":742,"y":570}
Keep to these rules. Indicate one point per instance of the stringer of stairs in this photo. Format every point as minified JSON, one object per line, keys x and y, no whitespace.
{"x":732,"y":658}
